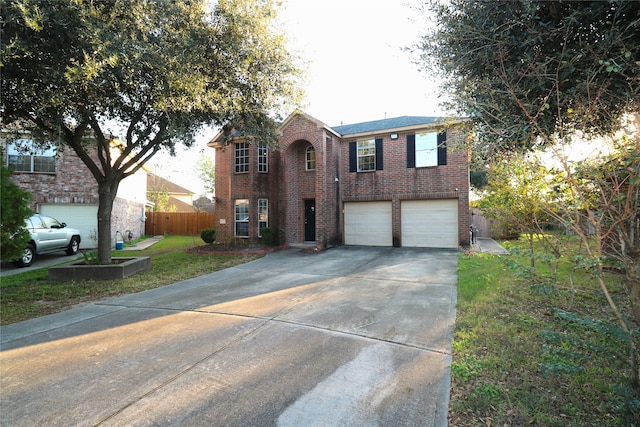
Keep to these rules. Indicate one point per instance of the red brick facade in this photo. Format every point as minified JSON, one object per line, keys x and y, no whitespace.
{"x":72,"y":184}
{"x":287,"y":184}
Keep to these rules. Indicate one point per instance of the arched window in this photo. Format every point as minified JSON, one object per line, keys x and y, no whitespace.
{"x":310,"y":158}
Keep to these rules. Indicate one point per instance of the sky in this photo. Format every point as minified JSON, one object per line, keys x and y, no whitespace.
{"x":356,"y":69}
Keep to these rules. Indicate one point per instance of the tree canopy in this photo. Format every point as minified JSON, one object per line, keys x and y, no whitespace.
{"x":149,"y":71}
{"x":522,"y":69}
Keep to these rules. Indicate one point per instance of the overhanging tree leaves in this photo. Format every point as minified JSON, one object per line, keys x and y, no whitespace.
{"x":523,"y":69}
{"x":153,"y":72}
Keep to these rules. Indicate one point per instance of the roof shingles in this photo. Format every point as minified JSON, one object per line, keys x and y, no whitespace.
{"x":384,"y":124}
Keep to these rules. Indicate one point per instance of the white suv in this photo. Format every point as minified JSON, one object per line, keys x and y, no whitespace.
{"x":48,"y":235}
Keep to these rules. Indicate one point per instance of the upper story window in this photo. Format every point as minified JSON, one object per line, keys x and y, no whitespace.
{"x":24,"y":156}
{"x":426,"y":149}
{"x":365,"y":155}
{"x":263,"y":159}
{"x":310,"y":163}
{"x":242,"y":157}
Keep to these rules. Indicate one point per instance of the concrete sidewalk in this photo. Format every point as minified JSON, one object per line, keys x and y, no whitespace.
{"x":489,"y":246}
{"x":351,"y":336}
{"x":143,"y":244}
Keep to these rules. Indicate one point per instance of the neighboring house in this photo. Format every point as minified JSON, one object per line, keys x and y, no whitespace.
{"x":178,"y":199}
{"x":204,"y":204}
{"x":394,"y":182}
{"x":64,"y":188}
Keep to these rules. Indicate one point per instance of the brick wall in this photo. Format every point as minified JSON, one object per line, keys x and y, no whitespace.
{"x":127,"y":215}
{"x":287,"y":184}
{"x":71,"y":183}
{"x":396,"y":182}
{"x":250,"y":185}
{"x":223,"y":199}
{"x":300,"y":184}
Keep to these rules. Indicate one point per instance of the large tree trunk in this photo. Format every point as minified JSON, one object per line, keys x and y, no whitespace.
{"x":107,"y":195}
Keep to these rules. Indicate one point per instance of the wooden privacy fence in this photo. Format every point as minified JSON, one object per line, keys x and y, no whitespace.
{"x":178,"y":223}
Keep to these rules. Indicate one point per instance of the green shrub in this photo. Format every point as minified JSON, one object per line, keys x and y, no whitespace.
{"x":208,"y":235}
{"x":268,"y":236}
{"x":91,"y":258}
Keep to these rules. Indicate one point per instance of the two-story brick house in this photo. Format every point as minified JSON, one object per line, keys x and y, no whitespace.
{"x":63,"y":187}
{"x":394,"y":182}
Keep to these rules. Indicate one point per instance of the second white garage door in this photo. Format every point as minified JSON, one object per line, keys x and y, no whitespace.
{"x":429,"y":223}
{"x":367,"y":224}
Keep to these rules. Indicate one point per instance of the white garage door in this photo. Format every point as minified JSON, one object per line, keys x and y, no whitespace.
{"x":82,"y":217}
{"x":367,"y":224}
{"x":429,"y":223}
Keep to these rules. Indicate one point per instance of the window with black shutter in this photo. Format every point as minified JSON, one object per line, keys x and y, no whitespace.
{"x":365,"y":155}
{"x":426,"y":149}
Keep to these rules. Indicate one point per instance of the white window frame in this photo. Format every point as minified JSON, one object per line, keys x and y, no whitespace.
{"x":241,"y":216}
{"x":37,"y":160}
{"x":426,"y":149}
{"x":310,"y":158}
{"x":366,"y":154}
{"x":263,"y":158}
{"x":263,"y":215}
{"x":241,"y":157}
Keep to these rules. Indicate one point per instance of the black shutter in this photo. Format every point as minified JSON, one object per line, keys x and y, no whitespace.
{"x":353,"y":157}
{"x":379,"y":160}
{"x":442,"y":148}
{"x":411,"y":151}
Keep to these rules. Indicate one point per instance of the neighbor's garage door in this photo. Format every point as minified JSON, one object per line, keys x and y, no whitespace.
{"x":367,"y":223}
{"x":82,"y":217}
{"x":429,"y":223}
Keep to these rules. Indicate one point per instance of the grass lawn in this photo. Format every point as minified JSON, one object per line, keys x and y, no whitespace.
{"x":532,"y":351}
{"x":27,"y":295}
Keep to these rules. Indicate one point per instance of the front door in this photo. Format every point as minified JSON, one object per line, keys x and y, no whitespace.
{"x":310,"y":220}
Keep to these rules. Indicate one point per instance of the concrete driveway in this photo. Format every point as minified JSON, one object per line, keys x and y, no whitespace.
{"x":351,"y":336}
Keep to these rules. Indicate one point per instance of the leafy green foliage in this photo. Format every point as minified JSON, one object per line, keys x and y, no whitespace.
{"x":208,"y":235}
{"x":206,"y":168}
{"x":155,"y":72}
{"x":268,"y":236}
{"x":14,"y":210}
{"x":161,"y":201}
{"x":478,"y":179}
{"x":528,"y":68}
{"x":91,"y":258}
{"x":521,"y":356}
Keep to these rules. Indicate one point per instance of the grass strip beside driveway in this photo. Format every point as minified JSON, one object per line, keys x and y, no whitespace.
{"x":28,"y":295}
{"x":534,"y":351}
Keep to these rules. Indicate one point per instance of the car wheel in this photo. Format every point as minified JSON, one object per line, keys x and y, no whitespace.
{"x":28,"y":256}
{"x":74,"y":245}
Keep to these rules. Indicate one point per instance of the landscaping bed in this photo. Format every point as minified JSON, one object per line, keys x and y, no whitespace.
{"x":120,"y":268}
{"x":235,"y":249}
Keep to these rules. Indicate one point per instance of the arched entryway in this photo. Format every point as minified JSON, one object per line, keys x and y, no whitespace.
{"x":300,"y":192}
